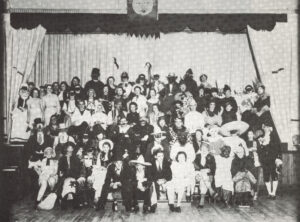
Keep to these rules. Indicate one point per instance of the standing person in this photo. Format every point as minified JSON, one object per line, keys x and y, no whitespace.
{"x":95,"y":83}
{"x":61,"y":141}
{"x":19,"y":117}
{"x":55,"y":88}
{"x":211,"y":115}
{"x":203,"y":82}
{"x":270,"y":158}
{"x":105,"y":99}
{"x":133,"y":117}
{"x":81,"y":114}
{"x":152,"y":99}
{"x":35,"y":107}
{"x":51,"y":104}
{"x":141,"y":80}
{"x":190,"y":82}
{"x":228,"y":113}
{"x":74,"y":83}
{"x":116,"y":113}
{"x":229,"y":98}
{"x":154,"y":115}
{"x":111,"y":87}
{"x":140,"y":100}
{"x":194,"y":120}
{"x":201,"y":99}
{"x":170,"y":90}
{"x":126,"y":86}
{"x":254,"y":147}
{"x":52,"y":129}
{"x":157,"y":84}
{"x":63,"y":94}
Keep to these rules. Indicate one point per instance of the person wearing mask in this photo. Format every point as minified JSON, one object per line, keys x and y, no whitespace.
{"x":95,"y":83}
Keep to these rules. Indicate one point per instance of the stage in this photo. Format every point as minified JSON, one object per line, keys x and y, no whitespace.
{"x":284,"y":208}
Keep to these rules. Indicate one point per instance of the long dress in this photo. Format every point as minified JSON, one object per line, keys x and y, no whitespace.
{"x":52,"y":106}
{"x":19,"y":132}
{"x":34,"y":109}
{"x":223,"y":177}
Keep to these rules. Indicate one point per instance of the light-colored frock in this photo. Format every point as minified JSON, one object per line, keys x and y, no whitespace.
{"x":51,"y":105}
{"x":34,"y":109}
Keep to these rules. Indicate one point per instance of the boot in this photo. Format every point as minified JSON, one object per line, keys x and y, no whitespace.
{"x":171,"y":207}
{"x":115,"y":206}
{"x":202,"y":199}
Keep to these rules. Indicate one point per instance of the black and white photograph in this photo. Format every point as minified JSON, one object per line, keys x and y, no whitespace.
{"x":149,"y":110}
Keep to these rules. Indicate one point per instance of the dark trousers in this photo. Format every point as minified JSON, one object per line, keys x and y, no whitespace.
{"x":144,"y":195}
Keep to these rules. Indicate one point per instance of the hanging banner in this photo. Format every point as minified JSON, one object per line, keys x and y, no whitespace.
{"x":142,"y":10}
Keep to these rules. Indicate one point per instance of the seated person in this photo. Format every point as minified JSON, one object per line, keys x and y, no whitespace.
{"x":205,"y":167}
{"x":133,"y":116}
{"x":119,"y":177}
{"x":61,"y":140}
{"x":228,"y":114}
{"x":161,"y":173}
{"x":182,"y":177}
{"x":99,"y":117}
{"x":142,"y":184}
{"x":48,"y":174}
{"x":69,"y":167}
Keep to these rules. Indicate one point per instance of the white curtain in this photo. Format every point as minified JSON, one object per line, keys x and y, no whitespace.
{"x":275,"y":51}
{"x":225,"y":58}
{"x":22,"y":46}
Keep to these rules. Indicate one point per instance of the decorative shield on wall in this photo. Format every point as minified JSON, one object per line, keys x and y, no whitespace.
{"x":142,"y":10}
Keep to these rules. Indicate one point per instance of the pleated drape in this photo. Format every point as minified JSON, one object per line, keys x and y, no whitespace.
{"x":225,"y":58}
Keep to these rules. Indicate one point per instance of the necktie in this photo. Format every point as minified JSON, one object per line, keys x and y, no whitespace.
{"x":48,"y":162}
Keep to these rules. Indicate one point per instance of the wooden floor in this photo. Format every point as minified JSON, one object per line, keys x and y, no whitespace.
{"x":284,"y":208}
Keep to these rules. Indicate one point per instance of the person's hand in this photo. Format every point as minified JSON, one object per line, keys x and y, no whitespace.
{"x":145,"y":138}
{"x":81,"y":180}
{"x":161,"y":181}
{"x":90,"y":179}
{"x":115,"y":186}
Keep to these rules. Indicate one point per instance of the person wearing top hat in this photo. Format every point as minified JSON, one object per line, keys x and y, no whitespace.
{"x":140,"y":135}
{"x":61,"y":140}
{"x":190,"y":83}
{"x":161,"y":173}
{"x":140,"y":100}
{"x":170,"y":90}
{"x":229,"y":98}
{"x":95,"y":83}
{"x":120,"y":176}
{"x":142,"y":183}
{"x":203,"y":81}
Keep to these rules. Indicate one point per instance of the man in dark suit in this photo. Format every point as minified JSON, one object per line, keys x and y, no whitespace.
{"x":191,"y":84}
{"x":120,"y":177}
{"x":95,"y":84}
{"x":161,"y":174}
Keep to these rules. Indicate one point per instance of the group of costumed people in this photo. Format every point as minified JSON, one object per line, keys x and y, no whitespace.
{"x":146,"y":140}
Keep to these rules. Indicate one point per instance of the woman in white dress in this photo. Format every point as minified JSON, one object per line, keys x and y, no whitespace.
{"x":35,"y":107}
{"x":91,"y":102}
{"x":19,"y":132}
{"x":51,"y":104}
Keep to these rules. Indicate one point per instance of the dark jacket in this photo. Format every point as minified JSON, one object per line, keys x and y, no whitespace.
{"x":72,"y":171}
{"x":210,"y":163}
{"x":165,"y":172}
{"x":97,"y":86}
{"x":33,"y":150}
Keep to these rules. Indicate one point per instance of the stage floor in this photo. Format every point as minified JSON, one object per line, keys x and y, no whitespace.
{"x":284,"y":208}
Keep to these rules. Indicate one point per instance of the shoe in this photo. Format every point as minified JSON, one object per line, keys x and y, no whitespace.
{"x":36,"y":204}
{"x":178,"y":209}
{"x":145,"y":209}
{"x":135,"y":209}
{"x":115,"y":206}
{"x":172,"y":208}
{"x":153,"y":208}
{"x":200,"y":206}
{"x":273,"y":197}
{"x":99,"y":206}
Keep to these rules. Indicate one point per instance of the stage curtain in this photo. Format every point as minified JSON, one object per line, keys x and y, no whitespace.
{"x":276,"y":56}
{"x":224,"y":58}
{"x":22,"y":46}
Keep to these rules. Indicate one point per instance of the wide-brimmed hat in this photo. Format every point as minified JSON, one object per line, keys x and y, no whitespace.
{"x":239,"y":126}
{"x":140,"y":160}
{"x":138,"y":86}
{"x":105,"y":141}
{"x":49,"y":149}
{"x":62,"y":126}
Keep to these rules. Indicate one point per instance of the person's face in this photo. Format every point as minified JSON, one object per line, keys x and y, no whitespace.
{"x":49,"y":89}
{"x":159,"y":157}
{"x":111,"y":81}
{"x":35,"y":94}
{"x":152,"y":93}
{"x":91,"y":93}
{"x":137,"y":91}
{"x":227,"y":93}
{"x":48,"y":154}
{"x":240,"y":153}
{"x":69,"y":150}
{"x":140,"y":167}
{"x":193,"y":107}
{"x":119,"y":163}
{"x":124,"y":79}
{"x":143,"y":123}
{"x":181,"y":158}
{"x":75,"y":82}
{"x":100,"y":136}
{"x":178,"y":123}
{"x":62,"y":133}
{"x":203,"y":79}
{"x":201,"y":92}
{"x":42,"y":93}
{"x":132,"y":108}
{"x":95,"y":76}
{"x":162,"y":123}
{"x":198,"y":135}
{"x":183,"y":87}
{"x":123,"y":122}
{"x":226,"y":153}
{"x":72,"y":96}
{"x":63,"y":87}
{"x":105,"y":90}
{"x":30,"y":87}
{"x":55,"y":86}
{"x":250,"y":135}
{"x":212,"y":107}
{"x":105,"y":148}
{"x":228,"y":108}
{"x":119,"y":92}
{"x":53,"y":121}
{"x":155,"y":109}
{"x":214,"y":94}
{"x":260,"y":90}
{"x":81,"y":106}
{"x":142,"y":82}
